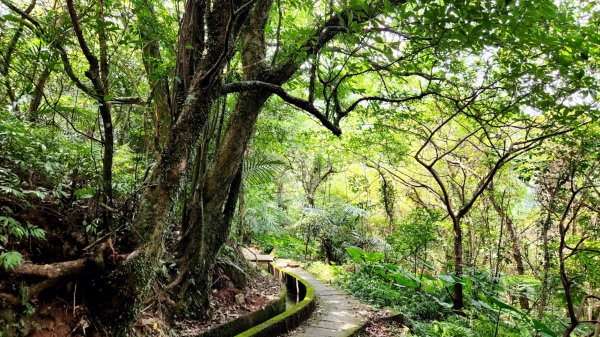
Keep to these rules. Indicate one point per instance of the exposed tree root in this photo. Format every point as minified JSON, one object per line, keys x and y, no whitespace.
{"x":38,"y":288}
{"x":51,"y":271}
{"x":9,"y":298}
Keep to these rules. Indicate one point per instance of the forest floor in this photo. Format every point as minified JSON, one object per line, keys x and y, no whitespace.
{"x":379,"y":326}
{"x":59,"y":317}
{"x":226,"y":308}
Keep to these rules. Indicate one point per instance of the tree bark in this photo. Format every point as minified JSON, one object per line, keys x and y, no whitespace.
{"x":563,"y":227}
{"x":53,"y":270}
{"x":545,"y":229}
{"x":242,"y":209}
{"x":102,"y":90}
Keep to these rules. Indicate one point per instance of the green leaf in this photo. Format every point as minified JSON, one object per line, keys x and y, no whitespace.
{"x":355,"y":253}
{"x":14,"y":227}
{"x":446,"y":278}
{"x":441,"y":302}
{"x":543,"y":328}
{"x":36,"y":232}
{"x":85,"y":193}
{"x":508,"y":307}
{"x":10,"y":190}
{"x":11,"y":259}
{"x":406,"y":279}
{"x":373,"y":257}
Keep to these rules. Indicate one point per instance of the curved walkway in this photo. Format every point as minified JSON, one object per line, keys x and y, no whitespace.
{"x":338,"y":315}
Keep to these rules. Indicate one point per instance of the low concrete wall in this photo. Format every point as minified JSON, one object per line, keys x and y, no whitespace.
{"x":292,"y":317}
{"x":249,"y":320}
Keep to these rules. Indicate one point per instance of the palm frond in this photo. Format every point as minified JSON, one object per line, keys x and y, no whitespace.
{"x":260,"y":170}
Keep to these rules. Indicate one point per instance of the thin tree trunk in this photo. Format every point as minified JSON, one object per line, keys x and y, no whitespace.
{"x":388,"y":199}
{"x":516,"y":246}
{"x":242,"y":231}
{"x":471,"y":252}
{"x":105,"y":112}
{"x":279,"y":194}
{"x":566,"y":282}
{"x":38,"y":93}
{"x":107,"y":163}
{"x":158,"y":82}
{"x":545,"y":267}
{"x":328,"y":250}
{"x":9,"y":50}
{"x":597,"y":330}
{"x":97,"y":73}
{"x":307,"y":243}
{"x":458,"y":298}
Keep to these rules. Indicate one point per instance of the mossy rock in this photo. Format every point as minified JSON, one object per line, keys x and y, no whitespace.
{"x":236,"y":274}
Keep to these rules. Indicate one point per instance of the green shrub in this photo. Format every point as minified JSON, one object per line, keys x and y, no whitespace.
{"x":45,"y":151}
{"x":12,"y":231}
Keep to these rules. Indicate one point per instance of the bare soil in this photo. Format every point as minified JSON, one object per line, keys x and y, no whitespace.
{"x":59,"y":319}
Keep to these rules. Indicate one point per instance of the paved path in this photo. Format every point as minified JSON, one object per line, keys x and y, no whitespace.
{"x":338,"y":315}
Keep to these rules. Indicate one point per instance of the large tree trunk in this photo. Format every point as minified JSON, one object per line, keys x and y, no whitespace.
{"x":200,"y":63}
{"x":200,"y":255}
{"x":198,"y":71}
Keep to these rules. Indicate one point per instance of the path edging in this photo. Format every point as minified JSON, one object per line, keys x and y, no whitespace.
{"x":289,"y":319}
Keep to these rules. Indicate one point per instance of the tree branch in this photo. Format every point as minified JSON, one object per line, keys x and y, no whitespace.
{"x":92,"y":59}
{"x":22,"y":13}
{"x":279,"y":91}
